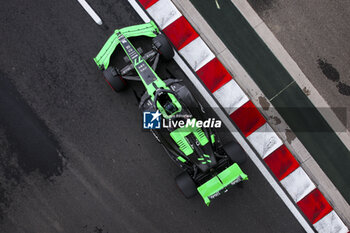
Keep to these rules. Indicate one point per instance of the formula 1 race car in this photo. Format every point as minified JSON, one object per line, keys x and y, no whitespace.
{"x":209,"y":167}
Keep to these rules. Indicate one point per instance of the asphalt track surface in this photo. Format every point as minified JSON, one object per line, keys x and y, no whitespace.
{"x":73,"y":156}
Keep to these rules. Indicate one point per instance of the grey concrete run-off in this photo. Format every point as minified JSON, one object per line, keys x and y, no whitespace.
{"x":316,"y":34}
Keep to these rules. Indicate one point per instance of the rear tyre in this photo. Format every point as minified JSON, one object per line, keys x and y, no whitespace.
{"x":235,"y":152}
{"x":116,"y":82}
{"x":163,"y":46}
{"x":186,"y":185}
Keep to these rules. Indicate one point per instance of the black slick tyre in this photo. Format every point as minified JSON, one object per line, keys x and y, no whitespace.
{"x":186,"y":185}
{"x":163,"y":46}
{"x":116,"y":82}
{"x":235,"y":152}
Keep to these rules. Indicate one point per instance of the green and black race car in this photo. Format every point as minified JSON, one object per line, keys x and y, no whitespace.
{"x":209,"y":167}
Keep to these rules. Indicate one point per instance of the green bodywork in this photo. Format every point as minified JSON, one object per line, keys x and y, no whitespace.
{"x":219,"y":182}
{"x":103,"y":57}
{"x":212,"y":137}
{"x":150,"y":30}
{"x":205,"y":159}
{"x":229,"y":176}
{"x":179,"y":136}
{"x":181,"y":159}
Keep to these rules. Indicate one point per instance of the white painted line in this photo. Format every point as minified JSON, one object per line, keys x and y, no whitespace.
{"x":282,"y":90}
{"x":265,"y":140}
{"x":331,"y":223}
{"x":139,"y":11}
{"x":231,"y":96}
{"x":298,"y":184}
{"x":240,"y":139}
{"x":90,"y":11}
{"x":245,"y":9}
{"x":164,"y":13}
{"x":197,"y":53}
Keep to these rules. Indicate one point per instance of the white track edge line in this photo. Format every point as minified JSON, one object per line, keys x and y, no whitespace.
{"x":235,"y":133}
{"x":90,"y":11}
{"x":139,"y":11}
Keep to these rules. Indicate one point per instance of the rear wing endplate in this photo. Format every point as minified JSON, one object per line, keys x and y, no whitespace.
{"x":103,"y":57}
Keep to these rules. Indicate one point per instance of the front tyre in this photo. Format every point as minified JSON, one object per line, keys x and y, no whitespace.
{"x":235,"y":152}
{"x":163,"y":46}
{"x":186,"y":184}
{"x":115,"y":81}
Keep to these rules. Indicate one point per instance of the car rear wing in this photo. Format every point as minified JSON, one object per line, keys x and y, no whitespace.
{"x":221,"y":182}
{"x":103,"y":57}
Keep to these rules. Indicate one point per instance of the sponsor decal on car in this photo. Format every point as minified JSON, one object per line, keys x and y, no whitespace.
{"x":224,"y":190}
